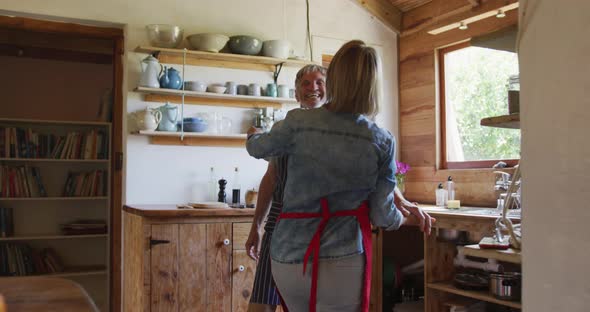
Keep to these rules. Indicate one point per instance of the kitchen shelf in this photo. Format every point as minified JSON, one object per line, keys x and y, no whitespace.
{"x":479,"y":295}
{"x":214,"y":99}
{"x":51,"y":237}
{"x":223,"y":60}
{"x":195,"y":139}
{"x":509,"y":255}
{"x":53,"y":198}
{"x":55,"y":160}
{"x":54,"y":122}
{"x":511,"y":121}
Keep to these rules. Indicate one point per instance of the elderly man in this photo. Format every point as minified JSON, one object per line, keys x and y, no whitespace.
{"x":310,"y":92}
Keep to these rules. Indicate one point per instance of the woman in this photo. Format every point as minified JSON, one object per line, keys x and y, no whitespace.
{"x":341,"y":179}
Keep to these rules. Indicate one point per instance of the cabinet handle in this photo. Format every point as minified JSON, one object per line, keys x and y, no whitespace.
{"x":226,"y":242}
{"x":241,"y":268}
{"x":158,"y":241}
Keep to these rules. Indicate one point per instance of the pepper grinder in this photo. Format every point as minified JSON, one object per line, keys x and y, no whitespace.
{"x":221,"y":195}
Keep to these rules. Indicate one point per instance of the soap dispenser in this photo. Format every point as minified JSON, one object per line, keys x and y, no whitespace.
{"x":451,"y":188}
{"x":441,"y":196}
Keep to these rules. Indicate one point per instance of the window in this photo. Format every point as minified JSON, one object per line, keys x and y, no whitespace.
{"x":474,"y":85}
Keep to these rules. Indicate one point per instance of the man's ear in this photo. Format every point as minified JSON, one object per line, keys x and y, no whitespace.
{"x":297,"y":96}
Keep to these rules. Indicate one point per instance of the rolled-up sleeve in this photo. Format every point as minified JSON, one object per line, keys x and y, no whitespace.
{"x":384,"y":213}
{"x":277,"y":142}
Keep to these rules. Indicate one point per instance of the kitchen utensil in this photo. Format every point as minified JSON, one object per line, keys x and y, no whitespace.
{"x":251,"y":198}
{"x":254,"y":89}
{"x":164,"y":36}
{"x":247,"y":45}
{"x":169,"y":117}
{"x":271,"y":90}
{"x":195,"y":86}
{"x":208,"y":42}
{"x":283,"y":91}
{"x":194,"y":124}
{"x":170,"y":79}
{"x":242,"y":89}
{"x":471,"y":281}
{"x":276,"y":48}
{"x":231,"y":88}
{"x":150,"y":70}
{"x":148,"y":119}
{"x":506,"y":286}
{"x":208,"y":205}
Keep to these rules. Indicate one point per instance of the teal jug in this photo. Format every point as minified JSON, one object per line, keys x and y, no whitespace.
{"x":169,"y":117}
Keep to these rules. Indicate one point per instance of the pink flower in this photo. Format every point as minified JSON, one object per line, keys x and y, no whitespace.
{"x":402,"y":168}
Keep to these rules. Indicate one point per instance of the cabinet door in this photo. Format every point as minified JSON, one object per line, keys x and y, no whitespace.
{"x":219,"y":252}
{"x":164,"y":268}
{"x":242,"y":279}
{"x":192,"y":278}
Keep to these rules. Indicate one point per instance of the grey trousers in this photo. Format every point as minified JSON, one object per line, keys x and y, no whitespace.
{"x":340,"y":283}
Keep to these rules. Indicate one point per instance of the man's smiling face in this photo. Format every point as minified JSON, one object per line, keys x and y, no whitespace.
{"x":311,"y":92}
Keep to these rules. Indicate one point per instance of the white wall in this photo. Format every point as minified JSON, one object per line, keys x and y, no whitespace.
{"x":174,"y":174}
{"x":555,"y":115}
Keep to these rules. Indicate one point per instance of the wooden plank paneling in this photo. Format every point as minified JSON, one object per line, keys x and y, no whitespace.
{"x":242,"y":279}
{"x":219,"y":267}
{"x":407,"y":5}
{"x":240,"y":235}
{"x":164,"y":268}
{"x":418,"y":92}
{"x":192,"y":280}
{"x":385,"y":12}
{"x":134,"y":252}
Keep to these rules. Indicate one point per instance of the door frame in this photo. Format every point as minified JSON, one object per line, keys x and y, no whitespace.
{"x":116,"y":163}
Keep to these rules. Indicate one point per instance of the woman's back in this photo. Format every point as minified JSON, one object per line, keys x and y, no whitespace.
{"x":337,"y":156}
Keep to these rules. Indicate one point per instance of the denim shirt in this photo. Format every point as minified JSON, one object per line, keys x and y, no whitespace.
{"x":345,"y":158}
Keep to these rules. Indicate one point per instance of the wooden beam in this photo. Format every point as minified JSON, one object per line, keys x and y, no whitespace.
{"x":474,"y":3}
{"x":385,"y":12}
{"x":55,"y":54}
{"x":29,"y":24}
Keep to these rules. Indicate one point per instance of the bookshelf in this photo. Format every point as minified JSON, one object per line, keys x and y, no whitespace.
{"x":55,"y":201}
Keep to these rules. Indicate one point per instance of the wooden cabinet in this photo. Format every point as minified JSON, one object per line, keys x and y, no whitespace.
{"x":195,"y":263}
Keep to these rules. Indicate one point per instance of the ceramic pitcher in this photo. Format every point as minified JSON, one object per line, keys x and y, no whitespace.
{"x":150,"y":70}
{"x":169,"y":117}
{"x":149,"y":119}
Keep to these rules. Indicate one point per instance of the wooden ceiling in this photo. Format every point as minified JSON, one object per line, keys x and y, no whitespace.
{"x":390,"y":12}
{"x":406,"y":5}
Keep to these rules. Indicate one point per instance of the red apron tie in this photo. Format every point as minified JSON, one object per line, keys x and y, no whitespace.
{"x":362,"y":215}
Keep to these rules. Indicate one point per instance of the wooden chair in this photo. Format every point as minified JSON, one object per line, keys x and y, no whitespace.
{"x":23,"y":294}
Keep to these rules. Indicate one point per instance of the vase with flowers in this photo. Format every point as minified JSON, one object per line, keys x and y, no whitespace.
{"x":400,"y":175}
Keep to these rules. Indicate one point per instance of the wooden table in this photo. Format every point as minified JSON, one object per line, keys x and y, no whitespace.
{"x":44,"y":294}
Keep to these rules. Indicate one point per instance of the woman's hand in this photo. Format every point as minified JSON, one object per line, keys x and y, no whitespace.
{"x":254,"y":130}
{"x":415,"y":216}
{"x":253,"y":243}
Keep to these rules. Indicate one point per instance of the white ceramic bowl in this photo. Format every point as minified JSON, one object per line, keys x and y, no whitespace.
{"x":276,"y":48}
{"x":216,"y":89}
{"x":208,"y":42}
{"x":195,"y":86}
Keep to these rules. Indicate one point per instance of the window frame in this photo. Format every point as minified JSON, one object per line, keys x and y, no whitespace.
{"x":444,"y":164}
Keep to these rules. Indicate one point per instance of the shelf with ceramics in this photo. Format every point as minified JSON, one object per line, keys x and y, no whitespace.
{"x":223,"y":60}
{"x":195,"y":138}
{"x":212,"y":99}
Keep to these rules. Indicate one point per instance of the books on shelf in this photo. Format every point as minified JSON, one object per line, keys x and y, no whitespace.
{"x":6,"y":222}
{"x":85,"y":227}
{"x":93,"y":183}
{"x":19,"y":259}
{"x":21,"y":181}
{"x":26,"y":143}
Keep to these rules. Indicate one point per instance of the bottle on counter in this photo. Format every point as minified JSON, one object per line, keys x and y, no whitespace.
{"x":236,"y":187}
{"x":212,"y":186}
{"x":450,"y":189}
{"x":441,"y":196}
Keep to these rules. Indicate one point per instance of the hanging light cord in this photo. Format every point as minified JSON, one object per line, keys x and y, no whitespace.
{"x":309,"y":31}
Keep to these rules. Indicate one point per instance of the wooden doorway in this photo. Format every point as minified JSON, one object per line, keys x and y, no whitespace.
{"x":26,"y":38}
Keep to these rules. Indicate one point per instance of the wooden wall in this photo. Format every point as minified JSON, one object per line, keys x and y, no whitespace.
{"x":418,"y":97}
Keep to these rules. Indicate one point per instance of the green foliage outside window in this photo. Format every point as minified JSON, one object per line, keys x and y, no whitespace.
{"x":476,"y":85}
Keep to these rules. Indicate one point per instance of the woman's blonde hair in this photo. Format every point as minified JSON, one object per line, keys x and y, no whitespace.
{"x":351,"y":83}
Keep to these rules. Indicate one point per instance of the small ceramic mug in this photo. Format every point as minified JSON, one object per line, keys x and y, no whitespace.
{"x":271,"y":90}
{"x":254,"y":89}
{"x":283,"y":91}
{"x":231,"y":88}
{"x":242,"y":89}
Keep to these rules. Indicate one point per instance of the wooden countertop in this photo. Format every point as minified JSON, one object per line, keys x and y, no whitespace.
{"x":468,"y":212}
{"x":171,"y":211}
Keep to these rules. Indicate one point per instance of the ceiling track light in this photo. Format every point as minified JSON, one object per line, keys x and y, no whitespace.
{"x":500,"y":14}
{"x":463,"y":26}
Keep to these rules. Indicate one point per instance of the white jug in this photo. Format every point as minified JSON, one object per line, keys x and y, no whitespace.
{"x":151,"y":72}
{"x":148,"y":119}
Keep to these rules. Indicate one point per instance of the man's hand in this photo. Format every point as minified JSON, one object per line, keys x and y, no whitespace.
{"x":254,"y":130}
{"x":253,"y":243}
{"x":415,"y":216}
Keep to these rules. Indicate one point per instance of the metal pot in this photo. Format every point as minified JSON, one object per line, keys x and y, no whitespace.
{"x":506,"y":286}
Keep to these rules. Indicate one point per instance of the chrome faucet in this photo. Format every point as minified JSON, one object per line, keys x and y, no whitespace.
{"x":502,"y":185}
